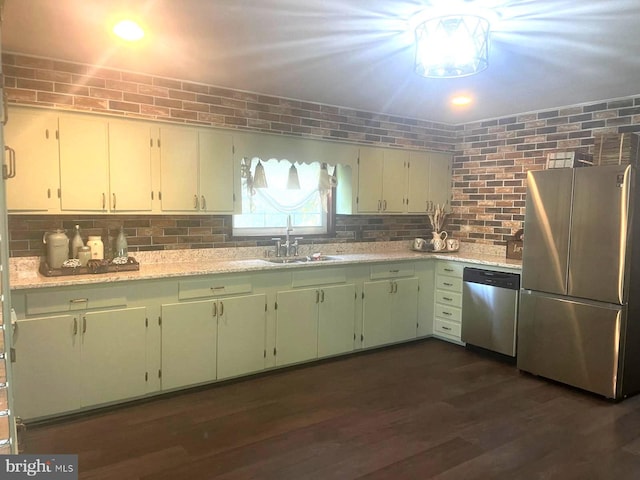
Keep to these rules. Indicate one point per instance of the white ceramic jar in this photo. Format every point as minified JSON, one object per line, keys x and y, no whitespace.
{"x":97,"y":247}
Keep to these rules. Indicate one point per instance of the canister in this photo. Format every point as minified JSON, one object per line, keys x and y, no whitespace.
{"x":84,"y":255}
{"x":97,"y":247}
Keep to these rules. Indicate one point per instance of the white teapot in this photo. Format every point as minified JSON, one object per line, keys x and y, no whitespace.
{"x":439,"y":240}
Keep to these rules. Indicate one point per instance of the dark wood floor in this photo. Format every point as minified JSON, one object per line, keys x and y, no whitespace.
{"x":423,"y":410}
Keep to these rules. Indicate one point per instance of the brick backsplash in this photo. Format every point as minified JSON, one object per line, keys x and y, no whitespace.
{"x":491,"y":157}
{"x":146,"y":233}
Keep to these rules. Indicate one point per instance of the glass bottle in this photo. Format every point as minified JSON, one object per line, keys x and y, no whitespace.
{"x":76,"y":243}
{"x":122,"y":249}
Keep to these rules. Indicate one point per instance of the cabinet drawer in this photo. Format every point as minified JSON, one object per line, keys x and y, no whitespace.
{"x":447,"y":328}
{"x":449,"y":283}
{"x":75,"y":299}
{"x":452,"y":314}
{"x":213,"y":286}
{"x":446,"y":297}
{"x":452,"y":269}
{"x":392,"y":270}
{"x":318,"y":276}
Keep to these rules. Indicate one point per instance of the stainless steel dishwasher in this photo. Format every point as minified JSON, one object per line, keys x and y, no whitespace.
{"x":490,"y":309}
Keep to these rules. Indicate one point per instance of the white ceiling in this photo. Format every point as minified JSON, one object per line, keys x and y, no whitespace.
{"x":353,"y":53}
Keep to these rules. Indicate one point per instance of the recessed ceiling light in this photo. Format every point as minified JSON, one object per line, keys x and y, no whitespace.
{"x":128,"y":30}
{"x":460,"y":100}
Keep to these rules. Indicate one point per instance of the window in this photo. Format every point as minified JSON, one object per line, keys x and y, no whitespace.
{"x":267,"y":211}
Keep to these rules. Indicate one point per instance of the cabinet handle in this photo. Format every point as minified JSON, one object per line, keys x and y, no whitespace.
{"x":390,"y":287}
{"x":446,"y":328}
{"x":317,"y":296}
{"x":394,"y":271}
{"x":11,"y":171}
{"x":48,"y":193}
{"x":203,"y":203}
{"x":84,"y":325}
{"x":447,"y":284}
{"x":104,"y":201}
{"x":195,"y":202}
{"x":79,"y":300}
{"x":114,"y":201}
{"x":321,"y":296}
{"x":215,"y":309}
{"x":75,"y":326}
{"x":447,"y":299}
{"x":448,"y":269}
{"x":446,"y":313}
{"x":379,"y":205}
{"x":395,"y":287}
{"x":221,"y":309}
{"x":384,"y":205}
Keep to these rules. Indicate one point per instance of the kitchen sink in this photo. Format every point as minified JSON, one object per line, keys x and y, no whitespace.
{"x":281,"y":260}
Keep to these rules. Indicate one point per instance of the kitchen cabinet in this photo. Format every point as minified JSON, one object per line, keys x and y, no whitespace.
{"x":448,"y":301}
{"x":46,"y":367}
{"x":112,"y":355}
{"x":216,"y":173}
{"x":429,"y":181}
{"x":33,"y":135}
{"x":78,"y":360}
{"x":189,"y":342}
{"x":390,"y":305}
{"x":241,"y":335}
{"x":129,"y":166}
{"x":84,"y":163}
{"x":382,"y":175}
{"x":315,"y":322}
{"x":196,"y":170}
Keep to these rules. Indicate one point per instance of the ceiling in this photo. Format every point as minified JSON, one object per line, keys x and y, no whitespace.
{"x":352,"y":53}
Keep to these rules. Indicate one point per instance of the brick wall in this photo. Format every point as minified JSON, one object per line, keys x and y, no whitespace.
{"x":492,"y":159}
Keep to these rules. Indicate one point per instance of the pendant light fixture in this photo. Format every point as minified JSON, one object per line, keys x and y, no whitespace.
{"x":259,"y":178}
{"x":452,"y":46}
{"x":293,"y":182}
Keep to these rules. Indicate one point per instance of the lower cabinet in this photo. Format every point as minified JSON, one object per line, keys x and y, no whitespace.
{"x":189,"y":341}
{"x":212,"y":339}
{"x":67,"y":362}
{"x":314,"y":322}
{"x":390,"y":311}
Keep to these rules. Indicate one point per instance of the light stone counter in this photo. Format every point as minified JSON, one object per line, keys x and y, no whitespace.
{"x":181,"y":263}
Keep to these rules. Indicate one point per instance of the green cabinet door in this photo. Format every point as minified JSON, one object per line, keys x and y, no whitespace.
{"x":46,"y":370}
{"x":376,"y":313}
{"x":336,"y":319}
{"x":241,"y":335}
{"x":189,"y":339}
{"x":113,"y":355}
{"x":404,"y":309}
{"x":297,"y":325}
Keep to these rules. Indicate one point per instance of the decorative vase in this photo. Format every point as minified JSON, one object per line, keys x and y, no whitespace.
{"x":439,"y":240}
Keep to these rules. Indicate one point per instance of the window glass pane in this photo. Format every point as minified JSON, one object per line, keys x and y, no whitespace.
{"x":265,"y":211}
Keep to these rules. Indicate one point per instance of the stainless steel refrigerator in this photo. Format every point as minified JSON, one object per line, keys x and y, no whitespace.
{"x":579,"y":317}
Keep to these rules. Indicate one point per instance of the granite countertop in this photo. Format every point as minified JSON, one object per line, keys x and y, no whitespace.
{"x":24,"y":272}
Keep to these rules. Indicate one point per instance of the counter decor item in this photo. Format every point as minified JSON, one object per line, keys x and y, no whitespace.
{"x":76,"y":243}
{"x":437,"y":217}
{"x":84,"y":255}
{"x":97,"y":247}
{"x":514,"y":247}
{"x":71,"y":267}
{"x":421,"y":245}
{"x":121,"y":247}
{"x":57,"y":244}
{"x":453,"y":244}
{"x":439,"y":241}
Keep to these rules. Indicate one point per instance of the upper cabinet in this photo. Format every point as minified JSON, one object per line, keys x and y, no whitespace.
{"x":429,"y":181}
{"x":33,"y":136}
{"x":130,"y":146}
{"x":396,"y":181}
{"x":84,"y":163}
{"x":382,"y":177}
{"x":196,"y":170}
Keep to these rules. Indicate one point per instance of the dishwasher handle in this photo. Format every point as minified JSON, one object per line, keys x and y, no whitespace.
{"x":491,"y":277}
